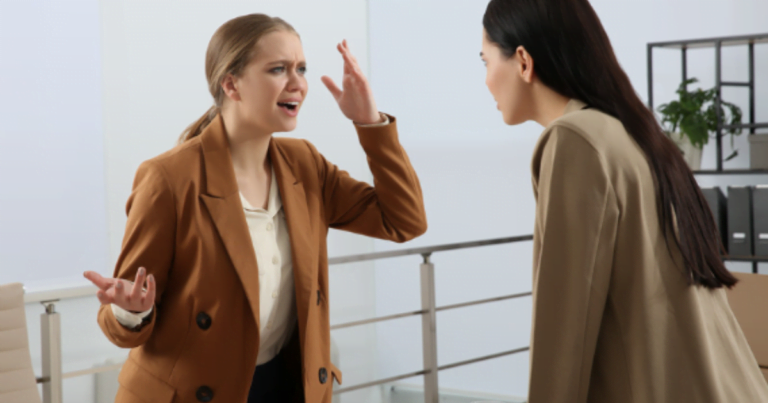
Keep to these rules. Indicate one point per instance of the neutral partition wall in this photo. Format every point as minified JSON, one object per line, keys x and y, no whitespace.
{"x":52,"y":186}
{"x":93,"y":88}
{"x":52,"y":201}
{"x":475,"y":170}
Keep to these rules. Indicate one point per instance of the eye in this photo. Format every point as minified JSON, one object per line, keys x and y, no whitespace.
{"x":277,"y":69}
{"x":302,"y":70}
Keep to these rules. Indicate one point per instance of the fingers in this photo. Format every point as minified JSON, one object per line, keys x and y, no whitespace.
{"x":349,"y":52}
{"x":348,"y":62}
{"x":104,"y":285}
{"x":149,"y":299}
{"x":138,"y":285}
{"x":348,"y":68}
{"x":124,"y":294}
{"x":103,"y":298}
{"x":119,"y":291}
{"x":350,"y":58}
{"x":332,"y":87}
{"x":98,"y":280}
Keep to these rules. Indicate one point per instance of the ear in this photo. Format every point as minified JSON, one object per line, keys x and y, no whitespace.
{"x":525,"y":64}
{"x":229,"y":85}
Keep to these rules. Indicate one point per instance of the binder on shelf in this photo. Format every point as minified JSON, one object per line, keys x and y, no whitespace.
{"x":740,"y":221}
{"x":760,"y":212}
{"x":719,"y":206}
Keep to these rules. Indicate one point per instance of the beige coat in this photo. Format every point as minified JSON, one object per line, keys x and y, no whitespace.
{"x":186,"y":225}
{"x":613,"y":318}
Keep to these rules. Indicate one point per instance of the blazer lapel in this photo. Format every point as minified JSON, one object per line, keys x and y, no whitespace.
{"x":299,"y":231}
{"x":222,"y":199}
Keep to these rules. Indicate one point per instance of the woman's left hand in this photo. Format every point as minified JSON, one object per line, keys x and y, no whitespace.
{"x":356,"y":100}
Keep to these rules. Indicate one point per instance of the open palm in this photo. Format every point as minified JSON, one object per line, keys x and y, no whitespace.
{"x":131,"y":296}
{"x":356,"y":99}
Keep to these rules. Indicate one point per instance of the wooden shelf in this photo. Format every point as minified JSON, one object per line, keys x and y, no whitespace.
{"x":732,"y":172}
{"x":745,"y":126}
{"x":746,"y":258}
{"x":712,"y":42}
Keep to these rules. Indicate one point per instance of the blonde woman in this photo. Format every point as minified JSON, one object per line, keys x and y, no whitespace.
{"x":226,"y":234}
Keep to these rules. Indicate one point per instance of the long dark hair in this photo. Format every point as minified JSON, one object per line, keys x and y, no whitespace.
{"x":574,"y":57}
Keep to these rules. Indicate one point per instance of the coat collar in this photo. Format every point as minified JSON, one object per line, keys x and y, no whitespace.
{"x":573,"y":106}
{"x":274,"y":203}
{"x":222,"y":198}
{"x":220,"y":174}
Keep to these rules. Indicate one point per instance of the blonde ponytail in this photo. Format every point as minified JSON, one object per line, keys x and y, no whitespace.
{"x":196,"y":128}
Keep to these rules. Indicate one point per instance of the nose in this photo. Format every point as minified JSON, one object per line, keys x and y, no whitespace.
{"x":296,"y":82}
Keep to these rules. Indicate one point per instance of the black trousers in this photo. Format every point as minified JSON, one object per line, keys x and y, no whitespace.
{"x":280,"y":380}
{"x":274,"y":382}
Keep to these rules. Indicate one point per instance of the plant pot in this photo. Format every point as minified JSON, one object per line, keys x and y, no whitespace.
{"x":691,"y":154}
{"x":758,"y":151}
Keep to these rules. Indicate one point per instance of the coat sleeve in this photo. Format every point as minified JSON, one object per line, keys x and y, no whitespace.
{"x":149,"y":240}
{"x":576,"y":220}
{"x":392,"y":209}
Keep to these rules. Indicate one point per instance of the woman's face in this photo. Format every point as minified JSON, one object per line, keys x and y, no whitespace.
{"x":272,"y":87}
{"x":506,"y":80}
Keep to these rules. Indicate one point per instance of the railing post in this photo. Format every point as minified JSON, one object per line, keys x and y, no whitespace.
{"x":50,"y":327}
{"x":429,"y":330}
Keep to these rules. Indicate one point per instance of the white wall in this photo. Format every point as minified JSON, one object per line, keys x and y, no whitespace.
{"x":52,"y":208}
{"x":475,"y":170}
{"x":474,"y":173}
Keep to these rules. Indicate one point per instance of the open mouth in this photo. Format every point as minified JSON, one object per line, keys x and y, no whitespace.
{"x":291,"y":106}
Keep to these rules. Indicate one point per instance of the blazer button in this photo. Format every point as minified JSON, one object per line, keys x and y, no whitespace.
{"x":204,"y":394}
{"x":203,"y":321}
{"x":323,"y":375}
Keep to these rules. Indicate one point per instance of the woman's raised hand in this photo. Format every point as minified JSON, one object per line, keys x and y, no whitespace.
{"x":131,"y":296}
{"x":356,"y":99}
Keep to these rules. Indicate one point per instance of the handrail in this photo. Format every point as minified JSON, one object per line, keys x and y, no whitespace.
{"x":427,"y":249}
{"x":87,"y":289}
{"x":421,"y":312}
{"x":60,"y":294}
{"x":423,"y":372}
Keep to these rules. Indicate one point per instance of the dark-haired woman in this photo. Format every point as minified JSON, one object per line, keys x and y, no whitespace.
{"x":629,"y":300}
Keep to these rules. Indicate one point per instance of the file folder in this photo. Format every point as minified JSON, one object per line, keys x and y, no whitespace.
{"x":740,"y":221}
{"x":719,"y":206}
{"x":760,"y":224}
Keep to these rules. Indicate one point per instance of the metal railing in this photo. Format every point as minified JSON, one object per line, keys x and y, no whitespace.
{"x":53,"y":376}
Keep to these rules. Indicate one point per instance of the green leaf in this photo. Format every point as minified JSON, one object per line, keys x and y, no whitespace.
{"x":695,"y":114}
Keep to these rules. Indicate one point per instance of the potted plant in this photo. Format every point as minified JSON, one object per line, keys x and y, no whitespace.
{"x":692,"y":118}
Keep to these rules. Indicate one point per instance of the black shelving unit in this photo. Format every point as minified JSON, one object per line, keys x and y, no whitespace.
{"x":718,"y":44}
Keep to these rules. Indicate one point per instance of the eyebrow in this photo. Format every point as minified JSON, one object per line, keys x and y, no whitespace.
{"x":286,"y":62}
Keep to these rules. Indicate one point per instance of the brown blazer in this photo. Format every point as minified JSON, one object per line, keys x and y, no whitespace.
{"x":614,"y":319}
{"x":187,"y":227}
